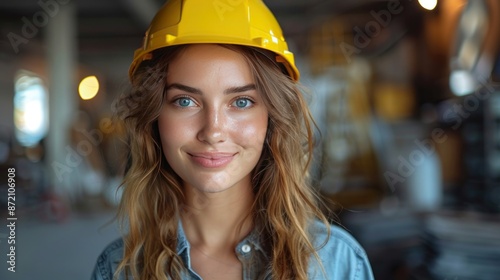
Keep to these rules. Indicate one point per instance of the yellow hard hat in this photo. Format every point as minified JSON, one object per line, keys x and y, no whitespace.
{"x":239,"y":22}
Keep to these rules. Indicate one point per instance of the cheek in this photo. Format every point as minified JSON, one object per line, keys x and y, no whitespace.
{"x":252,"y":132}
{"x":172,"y":132}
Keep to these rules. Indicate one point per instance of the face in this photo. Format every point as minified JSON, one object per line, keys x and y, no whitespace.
{"x":213,"y":122}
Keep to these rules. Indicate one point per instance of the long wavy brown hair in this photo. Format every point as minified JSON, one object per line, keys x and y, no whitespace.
{"x":152,"y":202}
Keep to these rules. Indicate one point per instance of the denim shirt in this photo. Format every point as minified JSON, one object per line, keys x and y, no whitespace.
{"x":341,"y":257}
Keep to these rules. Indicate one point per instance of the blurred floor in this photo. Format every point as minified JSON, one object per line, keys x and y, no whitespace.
{"x":55,"y":251}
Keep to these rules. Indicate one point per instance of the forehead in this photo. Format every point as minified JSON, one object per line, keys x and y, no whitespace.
{"x":209,"y":54}
{"x":209,"y":63}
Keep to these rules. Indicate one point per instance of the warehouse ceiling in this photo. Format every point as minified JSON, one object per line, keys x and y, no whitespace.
{"x":118,"y":25}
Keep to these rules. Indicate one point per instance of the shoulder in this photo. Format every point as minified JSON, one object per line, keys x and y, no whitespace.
{"x":338,"y":239}
{"x":108,"y":261}
{"x":341,"y":256}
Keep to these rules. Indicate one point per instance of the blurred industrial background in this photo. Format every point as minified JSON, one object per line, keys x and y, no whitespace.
{"x":404,"y":93}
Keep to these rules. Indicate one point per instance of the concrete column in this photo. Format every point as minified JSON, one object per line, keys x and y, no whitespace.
{"x":61,"y":44}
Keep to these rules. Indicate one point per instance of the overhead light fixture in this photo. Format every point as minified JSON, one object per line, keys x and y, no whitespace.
{"x":462,"y":82}
{"x":428,"y":4}
{"x":31,"y":116}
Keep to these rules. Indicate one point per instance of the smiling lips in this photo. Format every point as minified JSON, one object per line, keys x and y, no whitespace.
{"x":212,"y":160}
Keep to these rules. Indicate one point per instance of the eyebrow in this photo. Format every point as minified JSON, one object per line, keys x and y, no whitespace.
{"x":184,"y":88}
{"x":240,"y":89}
{"x":193,"y":90}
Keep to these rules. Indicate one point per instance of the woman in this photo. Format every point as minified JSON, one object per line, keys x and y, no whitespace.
{"x":220,"y":140}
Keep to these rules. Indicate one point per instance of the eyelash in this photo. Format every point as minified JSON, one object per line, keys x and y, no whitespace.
{"x":244,"y":98}
{"x":177,"y":99}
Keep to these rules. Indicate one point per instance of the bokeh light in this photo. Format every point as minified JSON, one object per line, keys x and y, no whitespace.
{"x":428,"y":4}
{"x":88,"y":87}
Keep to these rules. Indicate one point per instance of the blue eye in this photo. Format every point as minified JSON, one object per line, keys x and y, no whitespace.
{"x":242,"y":103}
{"x":184,"y":102}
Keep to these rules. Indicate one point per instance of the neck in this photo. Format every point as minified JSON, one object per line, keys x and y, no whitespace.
{"x":214,"y":221}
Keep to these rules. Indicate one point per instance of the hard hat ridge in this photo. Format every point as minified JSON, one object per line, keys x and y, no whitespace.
{"x":238,"y":22}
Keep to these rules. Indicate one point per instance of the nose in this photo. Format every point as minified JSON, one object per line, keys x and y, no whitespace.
{"x":214,"y":126}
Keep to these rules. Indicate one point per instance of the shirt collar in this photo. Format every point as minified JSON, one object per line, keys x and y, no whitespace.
{"x":254,"y":239}
{"x":183,"y":246}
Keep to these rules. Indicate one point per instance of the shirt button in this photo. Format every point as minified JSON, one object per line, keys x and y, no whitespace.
{"x":246,"y":248}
